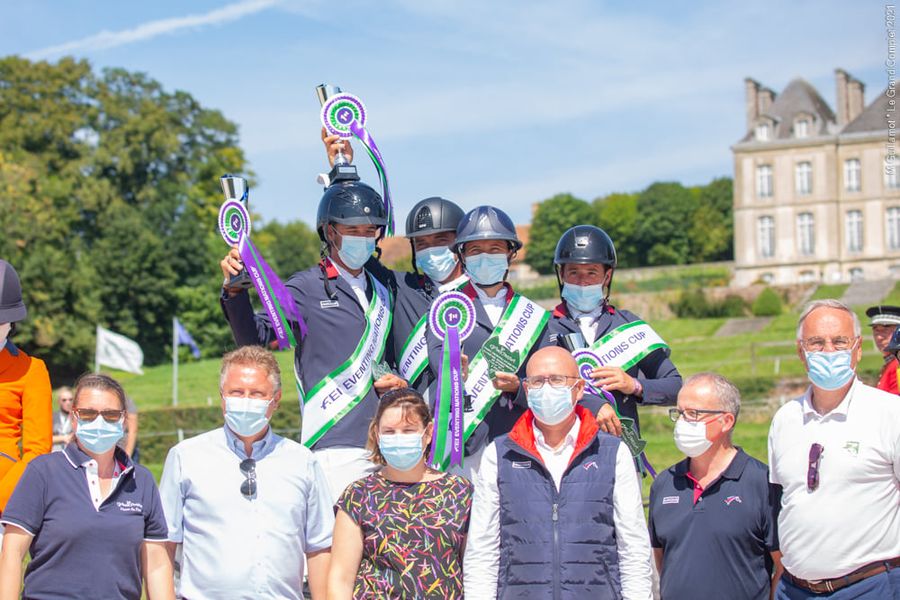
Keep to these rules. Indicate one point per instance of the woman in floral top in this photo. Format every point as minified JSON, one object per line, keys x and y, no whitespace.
{"x":400,"y":532}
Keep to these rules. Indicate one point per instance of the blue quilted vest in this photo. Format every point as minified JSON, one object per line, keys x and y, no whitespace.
{"x":561,"y":544}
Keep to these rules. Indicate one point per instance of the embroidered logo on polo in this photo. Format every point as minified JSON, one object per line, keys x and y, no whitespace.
{"x":129,"y":506}
{"x":852,"y":448}
{"x":521,"y":464}
{"x":592,"y":464}
{"x":671,"y":500}
{"x":730,"y":499}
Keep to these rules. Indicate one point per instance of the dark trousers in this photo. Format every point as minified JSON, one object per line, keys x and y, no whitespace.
{"x":885,"y":586}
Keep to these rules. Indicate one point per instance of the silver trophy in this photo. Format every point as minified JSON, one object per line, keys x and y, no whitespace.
{"x":325,"y":91}
{"x":236,"y":188}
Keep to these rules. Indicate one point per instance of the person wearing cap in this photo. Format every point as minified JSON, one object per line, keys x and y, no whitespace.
{"x":712,"y":515}
{"x":486,"y":243}
{"x":346,"y":301}
{"x":26,"y":402}
{"x":62,"y":422}
{"x":883,"y":320}
{"x":835,"y":452}
{"x":585,"y":262}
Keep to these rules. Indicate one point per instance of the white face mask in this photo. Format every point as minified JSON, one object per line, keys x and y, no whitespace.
{"x":691,"y":437}
{"x":4,"y":333}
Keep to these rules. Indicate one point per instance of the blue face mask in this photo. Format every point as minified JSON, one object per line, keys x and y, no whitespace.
{"x":356,"y":250}
{"x":98,"y":436}
{"x":551,"y":405}
{"x":246,"y":416}
{"x":402,"y":451}
{"x":583,"y":298}
{"x":829,"y":370}
{"x":487,"y":269}
{"x":437,"y":262}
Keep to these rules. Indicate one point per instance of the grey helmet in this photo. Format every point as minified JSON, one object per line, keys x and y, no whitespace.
{"x":585,"y":244}
{"x":486,"y":223}
{"x":433,"y":215}
{"x":12,"y":307}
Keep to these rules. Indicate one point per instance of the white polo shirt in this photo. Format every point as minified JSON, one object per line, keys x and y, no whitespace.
{"x":853,"y":518}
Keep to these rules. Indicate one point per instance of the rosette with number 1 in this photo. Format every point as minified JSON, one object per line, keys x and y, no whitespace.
{"x":451,"y":319}
{"x":234,"y":225}
{"x":345,"y":115}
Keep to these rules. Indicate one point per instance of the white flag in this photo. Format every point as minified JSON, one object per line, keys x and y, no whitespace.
{"x":119,"y":352}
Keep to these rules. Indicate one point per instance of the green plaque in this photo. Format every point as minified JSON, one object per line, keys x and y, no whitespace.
{"x":631,"y":438}
{"x":499,"y":358}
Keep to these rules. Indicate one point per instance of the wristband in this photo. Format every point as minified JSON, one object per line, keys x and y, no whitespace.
{"x":638,"y":388}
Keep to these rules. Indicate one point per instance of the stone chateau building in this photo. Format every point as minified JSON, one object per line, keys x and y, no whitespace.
{"x":816,"y":194}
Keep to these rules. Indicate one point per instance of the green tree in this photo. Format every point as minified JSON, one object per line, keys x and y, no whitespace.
{"x":712,"y":226}
{"x":552,"y":218}
{"x":617,"y":215}
{"x":110,"y":196}
{"x":665,"y":211}
{"x":288,"y":247}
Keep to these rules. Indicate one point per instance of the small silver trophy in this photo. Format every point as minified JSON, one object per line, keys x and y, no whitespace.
{"x":236,"y":189}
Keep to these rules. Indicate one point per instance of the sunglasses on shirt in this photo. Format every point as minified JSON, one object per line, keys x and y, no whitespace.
{"x":812,"y":473}
{"x":89,"y":414}
{"x":248,"y":469}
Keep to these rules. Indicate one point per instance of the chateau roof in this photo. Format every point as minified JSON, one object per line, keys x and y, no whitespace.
{"x":873,"y":118}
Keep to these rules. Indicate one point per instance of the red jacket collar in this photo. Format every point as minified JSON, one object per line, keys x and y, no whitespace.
{"x":562,"y":310}
{"x":328,"y":268}
{"x":469,"y":290}
{"x":522,"y":432}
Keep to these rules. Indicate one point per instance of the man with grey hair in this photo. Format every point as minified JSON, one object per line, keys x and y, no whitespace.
{"x":247,"y":505}
{"x":712,"y":515}
{"x":835,"y":452}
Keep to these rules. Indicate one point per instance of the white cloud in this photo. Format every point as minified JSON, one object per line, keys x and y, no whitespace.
{"x":112,"y":39}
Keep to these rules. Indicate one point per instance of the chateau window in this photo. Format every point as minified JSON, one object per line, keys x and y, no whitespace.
{"x":891,"y":180}
{"x":854,"y":224}
{"x":801,"y":128}
{"x":803,"y":178}
{"x":766,"y":235}
{"x":852,"y":175}
{"x":893,"y":228}
{"x":762,"y":132}
{"x":806,"y":237}
{"x":764,"y":181}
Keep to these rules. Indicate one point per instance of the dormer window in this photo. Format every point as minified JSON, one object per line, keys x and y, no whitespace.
{"x":763,"y":132}
{"x":801,"y":128}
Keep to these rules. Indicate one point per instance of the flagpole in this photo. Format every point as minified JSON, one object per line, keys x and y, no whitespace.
{"x":174,"y":361}
{"x":97,"y":352}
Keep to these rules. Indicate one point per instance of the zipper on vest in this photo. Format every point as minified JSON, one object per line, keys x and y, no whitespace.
{"x":556,"y":565}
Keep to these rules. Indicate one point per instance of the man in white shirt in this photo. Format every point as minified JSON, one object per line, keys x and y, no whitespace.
{"x":246,"y":504}
{"x":836,"y":453}
{"x":561,"y":498}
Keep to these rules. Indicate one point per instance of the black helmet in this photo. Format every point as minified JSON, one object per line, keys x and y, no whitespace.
{"x":433,"y":215}
{"x":12,"y":308}
{"x":486,"y":223}
{"x":585,"y":245}
{"x":350,"y":203}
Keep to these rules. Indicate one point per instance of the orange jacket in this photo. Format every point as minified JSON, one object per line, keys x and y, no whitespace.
{"x":888,"y":379}
{"x":26,"y":415}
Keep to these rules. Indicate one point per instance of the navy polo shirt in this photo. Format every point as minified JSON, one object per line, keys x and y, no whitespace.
{"x":79,"y":551}
{"x":718,"y":547}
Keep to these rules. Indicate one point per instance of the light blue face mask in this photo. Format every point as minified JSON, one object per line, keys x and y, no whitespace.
{"x":98,"y":435}
{"x":437,"y":262}
{"x":487,"y":269}
{"x":402,"y":451}
{"x":551,"y":405}
{"x":246,"y":416}
{"x":356,"y":250}
{"x":829,"y":370}
{"x":583,"y":298}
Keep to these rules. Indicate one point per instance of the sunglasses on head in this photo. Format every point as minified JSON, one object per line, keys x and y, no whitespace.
{"x":90,"y":414}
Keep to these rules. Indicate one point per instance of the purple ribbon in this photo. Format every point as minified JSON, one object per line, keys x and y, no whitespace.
{"x":274,"y":295}
{"x":363,"y":136}
{"x":456,"y":396}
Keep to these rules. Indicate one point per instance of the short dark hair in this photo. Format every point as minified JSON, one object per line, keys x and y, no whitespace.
{"x":98,"y":381}
{"x":414,"y":408}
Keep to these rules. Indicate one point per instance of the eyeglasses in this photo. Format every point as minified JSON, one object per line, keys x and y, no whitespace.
{"x":536,"y":382}
{"x":817,"y":344}
{"x":691,"y":414}
{"x":248,"y":468}
{"x":812,"y":474}
{"x":89,"y":414}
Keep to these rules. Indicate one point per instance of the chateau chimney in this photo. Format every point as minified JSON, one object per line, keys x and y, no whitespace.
{"x":843,"y":107}
{"x":766,"y":98}
{"x":751,"y":92}
{"x":856,"y":91}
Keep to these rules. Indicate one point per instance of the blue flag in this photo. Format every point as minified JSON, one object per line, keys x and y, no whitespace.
{"x":184,"y":338}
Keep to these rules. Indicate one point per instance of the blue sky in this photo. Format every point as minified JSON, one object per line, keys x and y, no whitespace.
{"x":503,"y":102}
